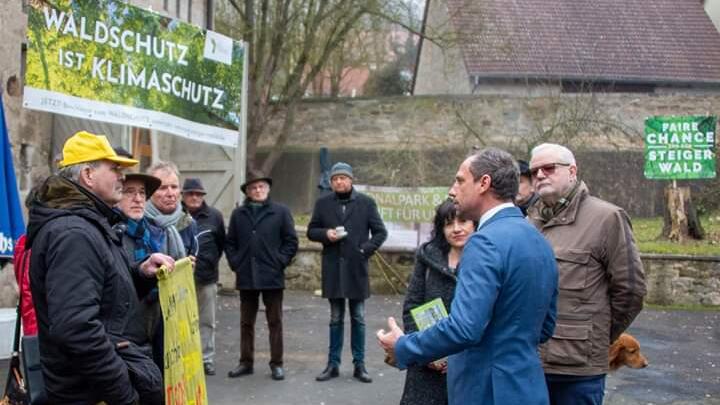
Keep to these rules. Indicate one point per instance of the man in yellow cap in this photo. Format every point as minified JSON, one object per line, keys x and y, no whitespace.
{"x":92,"y":348}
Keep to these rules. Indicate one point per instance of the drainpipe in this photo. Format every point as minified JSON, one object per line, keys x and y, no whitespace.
{"x":209,"y":5}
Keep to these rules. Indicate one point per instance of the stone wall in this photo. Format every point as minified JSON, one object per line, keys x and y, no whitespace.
{"x":608,"y":121}
{"x":671,"y":279}
{"x":380,"y":136}
{"x":685,"y":280}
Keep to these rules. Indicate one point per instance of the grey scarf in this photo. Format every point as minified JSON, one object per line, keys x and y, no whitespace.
{"x":175,"y":247}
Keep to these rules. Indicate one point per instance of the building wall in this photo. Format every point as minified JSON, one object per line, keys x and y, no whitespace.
{"x":441,"y":69}
{"x":712,"y":8}
{"x":193,"y":11}
{"x":30,"y":131}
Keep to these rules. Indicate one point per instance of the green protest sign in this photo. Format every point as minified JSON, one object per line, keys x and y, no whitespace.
{"x":407,"y":204}
{"x":109,"y":61}
{"x":408,"y":212}
{"x":681,"y":147}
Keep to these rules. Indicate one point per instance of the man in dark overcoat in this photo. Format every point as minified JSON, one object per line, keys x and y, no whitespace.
{"x":211,"y":240}
{"x":261,"y":242}
{"x":343,"y":222}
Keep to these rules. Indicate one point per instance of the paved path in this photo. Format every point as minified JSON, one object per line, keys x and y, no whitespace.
{"x":683,"y":349}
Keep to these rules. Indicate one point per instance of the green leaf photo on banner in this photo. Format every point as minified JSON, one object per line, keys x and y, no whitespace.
{"x":680,"y":147}
{"x":110,"y":61}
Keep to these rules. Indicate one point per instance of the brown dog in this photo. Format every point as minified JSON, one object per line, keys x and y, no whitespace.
{"x":626,"y":352}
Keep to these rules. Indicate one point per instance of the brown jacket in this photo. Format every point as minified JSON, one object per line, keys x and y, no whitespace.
{"x":601,"y":282}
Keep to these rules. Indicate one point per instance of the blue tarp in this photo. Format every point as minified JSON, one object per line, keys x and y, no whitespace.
{"x":11,"y":216}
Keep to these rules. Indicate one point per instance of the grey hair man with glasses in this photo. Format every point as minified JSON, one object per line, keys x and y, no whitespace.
{"x":602,"y":283}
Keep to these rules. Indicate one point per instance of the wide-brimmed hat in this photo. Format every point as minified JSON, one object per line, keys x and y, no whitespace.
{"x":85,"y":147}
{"x":255,"y":177}
{"x":193,"y":184}
{"x":152,"y":183}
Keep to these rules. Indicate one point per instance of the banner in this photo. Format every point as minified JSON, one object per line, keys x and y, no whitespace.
{"x":11,"y":217}
{"x":184,"y":375}
{"x":109,"y":61}
{"x":681,"y":147}
{"x":408,"y":212}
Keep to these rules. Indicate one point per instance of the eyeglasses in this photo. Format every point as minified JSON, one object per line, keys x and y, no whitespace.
{"x":548,"y":169}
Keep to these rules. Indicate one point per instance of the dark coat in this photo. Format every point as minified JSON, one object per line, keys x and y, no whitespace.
{"x":259,"y":247}
{"x":504,"y":307}
{"x":211,"y":238}
{"x":345,"y":262}
{"x":431,"y":279}
{"x":85,"y":298}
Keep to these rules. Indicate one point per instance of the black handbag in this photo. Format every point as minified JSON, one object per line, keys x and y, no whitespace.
{"x":15,"y":393}
{"x":33,"y":383}
{"x":15,"y":390}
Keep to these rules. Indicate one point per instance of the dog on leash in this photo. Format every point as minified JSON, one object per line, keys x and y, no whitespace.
{"x":626,"y":352}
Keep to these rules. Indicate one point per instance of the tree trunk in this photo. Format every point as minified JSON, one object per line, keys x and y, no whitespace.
{"x":680,"y":219}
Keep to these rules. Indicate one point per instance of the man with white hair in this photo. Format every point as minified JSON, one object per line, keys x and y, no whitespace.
{"x":180,"y":240}
{"x":602,"y":283}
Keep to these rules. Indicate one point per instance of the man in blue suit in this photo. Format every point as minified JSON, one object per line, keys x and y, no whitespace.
{"x":505,"y":301}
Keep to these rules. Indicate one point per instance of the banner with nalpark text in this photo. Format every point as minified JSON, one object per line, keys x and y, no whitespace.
{"x":408,"y":212}
{"x":680,"y":147}
{"x":109,"y":61}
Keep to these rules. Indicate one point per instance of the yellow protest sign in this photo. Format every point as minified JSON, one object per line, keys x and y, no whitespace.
{"x":184,"y":376}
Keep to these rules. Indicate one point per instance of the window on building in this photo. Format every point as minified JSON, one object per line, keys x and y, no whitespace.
{"x":575,"y":86}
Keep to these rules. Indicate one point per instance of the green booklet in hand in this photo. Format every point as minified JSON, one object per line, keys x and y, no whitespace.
{"x":427,"y":315}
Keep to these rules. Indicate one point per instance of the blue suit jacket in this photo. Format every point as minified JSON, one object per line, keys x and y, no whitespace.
{"x":504,"y":306}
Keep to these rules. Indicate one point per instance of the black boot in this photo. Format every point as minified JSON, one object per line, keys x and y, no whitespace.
{"x":331,"y":371}
{"x":209,"y":368}
{"x":277,"y":373}
{"x":361,"y":374}
{"x":240,"y":370}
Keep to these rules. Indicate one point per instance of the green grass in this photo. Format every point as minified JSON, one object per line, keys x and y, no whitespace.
{"x":683,"y":307}
{"x":648,"y":236}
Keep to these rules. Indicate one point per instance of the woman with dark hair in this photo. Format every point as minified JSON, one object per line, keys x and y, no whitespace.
{"x":434,"y":277}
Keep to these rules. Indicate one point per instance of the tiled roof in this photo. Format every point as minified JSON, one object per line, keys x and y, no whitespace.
{"x":616,"y":40}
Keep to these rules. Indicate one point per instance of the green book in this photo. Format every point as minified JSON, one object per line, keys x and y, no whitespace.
{"x":429,"y":313}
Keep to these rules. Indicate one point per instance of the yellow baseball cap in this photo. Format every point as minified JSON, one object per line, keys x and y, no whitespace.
{"x":86,"y":147}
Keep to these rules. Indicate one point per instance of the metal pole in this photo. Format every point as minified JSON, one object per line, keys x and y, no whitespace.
{"x":240,"y":160}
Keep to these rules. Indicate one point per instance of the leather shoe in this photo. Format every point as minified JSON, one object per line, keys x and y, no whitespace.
{"x":240,"y":370}
{"x":209,"y":368}
{"x":328,"y":373}
{"x":361,"y":374}
{"x":277,"y":373}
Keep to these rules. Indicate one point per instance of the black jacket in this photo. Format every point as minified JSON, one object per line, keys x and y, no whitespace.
{"x":211,"y":238}
{"x":259,"y":247}
{"x":431,"y":279}
{"x":85,"y":299}
{"x":345,"y":262}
